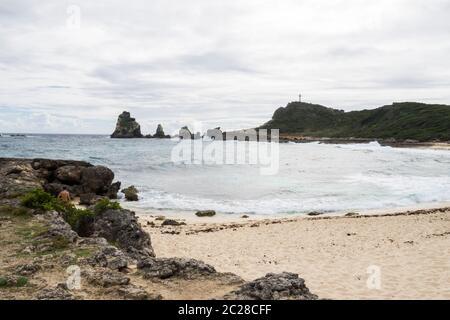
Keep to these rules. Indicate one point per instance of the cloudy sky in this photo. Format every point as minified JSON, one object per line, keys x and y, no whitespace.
{"x":73,"y":66}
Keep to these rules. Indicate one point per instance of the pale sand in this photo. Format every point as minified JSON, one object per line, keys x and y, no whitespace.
{"x":331,"y":254}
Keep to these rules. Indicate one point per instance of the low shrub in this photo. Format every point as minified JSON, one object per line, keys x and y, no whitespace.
{"x":75,"y":216}
{"x":106,"y":204}
{"x":19,"y":282}
{"x":39,"y":199}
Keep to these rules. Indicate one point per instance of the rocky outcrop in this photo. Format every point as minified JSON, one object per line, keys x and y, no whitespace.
{"x":121,"y":228}
{"x":106,"y":249}
{"x":164,"y":268}
{"x":79,"y":177}
{"x":282,"y":286}
{"x":109,"y":257}
{"x":57,"y":293}
{"x":160,"y":133}
{"x":127,"y":127}
{"x":133,"y":292}
{"x":106,"y":278}
{"x":131,"y":193}
{"x":17,"y":176}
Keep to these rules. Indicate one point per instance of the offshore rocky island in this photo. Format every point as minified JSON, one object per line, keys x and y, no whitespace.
{"x":398,"y":124}
{"x":127,"y":127}
{"x":42,"y":241}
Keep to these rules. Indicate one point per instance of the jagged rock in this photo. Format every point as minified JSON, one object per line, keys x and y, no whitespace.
{"x":92,"y":241}
{"x":164,"y":268}
{"x":68,"y":174}
{"x":205,"y":213}
{"x":96,"y":179}
{"x":113,"y":190}
{"x":87,"y":198}
{"x":58,"y":228}
{"x":57,"y":293}
{"x":122,"y":228}
{"x":131,"y":193}
{"x":127,"y":127}
{"x":52,"y":165}
{"x":282,"y":286}
{"x":171,"y":222}
{"x":109,"y":257}
{"x":105,"y":278}
{"x":133,"y":292}
{"x":160,"y":133}
{"x":27,"y":269}
{"x":18,"y":176}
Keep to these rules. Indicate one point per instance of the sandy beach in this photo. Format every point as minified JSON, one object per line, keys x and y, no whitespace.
{"x":335,"y":255}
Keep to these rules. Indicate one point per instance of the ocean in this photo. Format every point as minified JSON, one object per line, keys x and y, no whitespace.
{"x":309,"y":177}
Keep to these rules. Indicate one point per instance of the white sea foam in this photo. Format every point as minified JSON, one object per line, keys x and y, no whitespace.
{"x":311,"y":177}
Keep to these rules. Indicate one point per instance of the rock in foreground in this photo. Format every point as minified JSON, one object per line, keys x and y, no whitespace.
{"x":282,"y":286}
{"x":78,"y":177}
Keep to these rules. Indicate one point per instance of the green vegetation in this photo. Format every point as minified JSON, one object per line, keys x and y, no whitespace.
{"x":19,"y":282}
{"x":15,"y":212}
{"x":39,"y":199}
{"x":75,"y":217}
{"x":106,"y":204}
{"x":29,"y":232}
{"x":60,"y":243}
{"x":83,"y":252}
{"x":408,"y":120}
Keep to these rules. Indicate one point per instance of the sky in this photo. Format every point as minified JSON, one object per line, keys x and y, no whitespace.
{"x":74,"y":66}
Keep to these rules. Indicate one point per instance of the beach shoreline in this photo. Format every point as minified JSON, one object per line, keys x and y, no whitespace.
{"x":332,"y":253}
{"x":189,"y":216}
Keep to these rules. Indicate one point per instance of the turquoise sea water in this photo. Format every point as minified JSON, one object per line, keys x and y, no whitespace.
{"x":311,"y":177}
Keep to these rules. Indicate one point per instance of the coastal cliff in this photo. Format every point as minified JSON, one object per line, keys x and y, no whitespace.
{"x":55,"y":251}
{"x":399,"y":121}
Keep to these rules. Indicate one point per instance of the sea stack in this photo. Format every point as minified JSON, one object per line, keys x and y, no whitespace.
{"x":127,"y":127}
{"x":160,"y":133}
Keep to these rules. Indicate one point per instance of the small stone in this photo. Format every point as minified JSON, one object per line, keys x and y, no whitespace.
{"x":315,"y":213}
{"x":352,"y":214}
{"x":171,"y":222}
{"x":205,"y":213}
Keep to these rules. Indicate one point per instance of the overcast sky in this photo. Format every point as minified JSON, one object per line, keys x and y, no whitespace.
{"x":73,"y":66}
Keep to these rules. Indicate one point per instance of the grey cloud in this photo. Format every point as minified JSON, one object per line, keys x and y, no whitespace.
{"x":228,"y":64}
